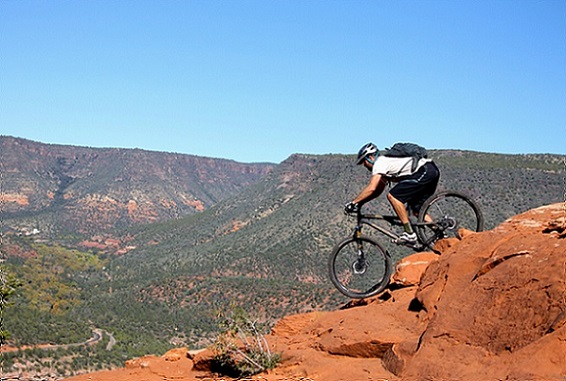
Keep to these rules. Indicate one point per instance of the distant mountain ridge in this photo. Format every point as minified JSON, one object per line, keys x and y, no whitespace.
{"x":61,"y":187}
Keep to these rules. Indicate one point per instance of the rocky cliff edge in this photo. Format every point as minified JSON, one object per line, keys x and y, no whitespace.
{"x":491,"y":306}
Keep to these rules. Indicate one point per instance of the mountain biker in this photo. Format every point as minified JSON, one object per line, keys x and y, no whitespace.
{"x":413,"y":186}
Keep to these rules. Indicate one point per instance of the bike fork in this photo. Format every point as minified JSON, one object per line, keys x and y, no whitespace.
{"x":359,"y":266}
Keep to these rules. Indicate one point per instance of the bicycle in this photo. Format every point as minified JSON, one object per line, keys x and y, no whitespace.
{"x":358,"y":265}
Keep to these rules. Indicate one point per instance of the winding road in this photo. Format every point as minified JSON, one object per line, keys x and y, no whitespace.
{"x":97,"y":335}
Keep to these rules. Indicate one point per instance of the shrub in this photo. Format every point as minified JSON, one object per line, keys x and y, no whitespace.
{"x":241,"y":348}
{"x":8,"y":286}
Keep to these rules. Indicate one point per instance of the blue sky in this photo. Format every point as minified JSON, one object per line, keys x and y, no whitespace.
{"x":259,"y":80}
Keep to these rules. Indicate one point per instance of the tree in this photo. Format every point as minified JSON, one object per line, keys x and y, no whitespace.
{"x":8,"y":286}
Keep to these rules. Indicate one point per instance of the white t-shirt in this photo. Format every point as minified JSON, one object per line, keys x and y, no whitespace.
{"x":392,"y":167}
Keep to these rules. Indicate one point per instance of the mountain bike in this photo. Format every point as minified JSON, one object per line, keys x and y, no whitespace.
{"x":360,"y":267}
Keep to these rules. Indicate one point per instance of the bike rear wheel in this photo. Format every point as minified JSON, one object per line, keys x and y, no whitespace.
{"x":359,"y":267}
{"x":444,"y":214}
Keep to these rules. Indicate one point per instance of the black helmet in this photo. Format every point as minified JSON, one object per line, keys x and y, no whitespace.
{"x":365,"y":151}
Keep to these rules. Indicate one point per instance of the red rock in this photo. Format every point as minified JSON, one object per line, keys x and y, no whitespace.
{"x":203,"y":360}
{"x":490,"y":307}
{"x":409,"y":270}
{"x":176,"y":354}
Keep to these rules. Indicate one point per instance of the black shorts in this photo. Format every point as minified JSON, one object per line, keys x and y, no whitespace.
{"x":416,"y":188}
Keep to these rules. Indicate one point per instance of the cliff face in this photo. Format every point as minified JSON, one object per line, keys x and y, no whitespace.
{"x":491,"y":306}
{"x":96,"y":189}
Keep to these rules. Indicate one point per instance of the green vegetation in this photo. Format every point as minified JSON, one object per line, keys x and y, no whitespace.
{"x":63,"y":361}
{"x":8,"y":286}
{"x":51,"y":278}
{"x":265,"y":250}
{"x":43,"y":310}
{"x":241,"y":348}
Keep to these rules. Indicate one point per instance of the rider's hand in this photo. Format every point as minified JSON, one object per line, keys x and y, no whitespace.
{"x":351,"y":207}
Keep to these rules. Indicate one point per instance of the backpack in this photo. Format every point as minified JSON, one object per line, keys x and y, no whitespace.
{"x":407,"y":150}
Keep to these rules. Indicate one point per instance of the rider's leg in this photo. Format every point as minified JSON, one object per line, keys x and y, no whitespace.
{"x":401,"y":211}
{"x":409,"y":237}
{"x":413,"y":190}
{"x":426,"y":188}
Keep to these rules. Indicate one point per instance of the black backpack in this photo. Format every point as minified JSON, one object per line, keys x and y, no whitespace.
{"x":407,"y":150}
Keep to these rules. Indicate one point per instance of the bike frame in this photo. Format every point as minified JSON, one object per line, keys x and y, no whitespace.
{"x":366,"y":219}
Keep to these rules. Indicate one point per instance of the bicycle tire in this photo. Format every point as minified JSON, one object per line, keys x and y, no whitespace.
{"x":450,"y":211}
{"x":368,"y":279}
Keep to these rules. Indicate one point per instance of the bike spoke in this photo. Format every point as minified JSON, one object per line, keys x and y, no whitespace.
{"x":359,"y":268}
{"x":445,"y":216}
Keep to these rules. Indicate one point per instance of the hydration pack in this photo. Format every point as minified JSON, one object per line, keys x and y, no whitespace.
{"x":407,"y":150}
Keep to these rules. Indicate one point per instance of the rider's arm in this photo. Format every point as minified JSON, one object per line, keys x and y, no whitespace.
{"x":374,"y":188}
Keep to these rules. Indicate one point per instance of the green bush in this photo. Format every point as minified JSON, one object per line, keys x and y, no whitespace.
{"x":241,"y":348}
{"x":8,"y":286}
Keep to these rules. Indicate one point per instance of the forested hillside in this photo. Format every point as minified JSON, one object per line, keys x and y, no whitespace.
{"x":264,"y":249}
{"x":82,"y":191}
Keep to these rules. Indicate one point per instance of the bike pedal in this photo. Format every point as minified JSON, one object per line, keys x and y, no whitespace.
{"x":417,"y":247}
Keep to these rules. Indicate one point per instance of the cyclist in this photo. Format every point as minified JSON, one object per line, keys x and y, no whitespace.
{"x":414,"y":184}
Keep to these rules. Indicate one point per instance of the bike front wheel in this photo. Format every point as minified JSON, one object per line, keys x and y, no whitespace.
{"x":444,"y":214}
{"x":359,"y":267}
